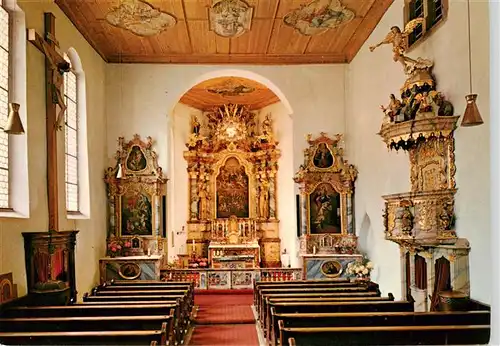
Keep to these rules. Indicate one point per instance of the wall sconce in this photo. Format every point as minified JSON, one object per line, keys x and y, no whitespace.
{"x":14,"y":125}
{"x":471,"y":117}
{"x":119,"y":174}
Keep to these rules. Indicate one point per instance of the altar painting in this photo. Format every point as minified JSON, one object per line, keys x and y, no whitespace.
{"x":323,"y":158}
{"x":136,"y":161}
{"x":136,"y":214}
{"x":324,"y":206}
{"x":232,"y":190}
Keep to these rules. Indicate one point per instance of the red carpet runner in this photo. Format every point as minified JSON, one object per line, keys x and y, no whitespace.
{"x":224,"y":318}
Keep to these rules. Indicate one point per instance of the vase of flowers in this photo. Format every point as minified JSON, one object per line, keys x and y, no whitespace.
{"x":115,"y":247}
{"x":360,"y":270}
{"x":198,"y":262}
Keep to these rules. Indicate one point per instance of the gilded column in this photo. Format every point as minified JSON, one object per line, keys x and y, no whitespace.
{"x":193,"y":195}
{"x":272,"y":198}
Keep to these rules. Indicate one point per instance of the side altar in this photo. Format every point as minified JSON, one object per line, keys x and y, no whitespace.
{"x":135,"y":240}
{"x":232,"y":164}
{"x":328,"y":243}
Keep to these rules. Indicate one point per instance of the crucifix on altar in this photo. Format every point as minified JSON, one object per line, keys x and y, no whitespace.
{"x":55,"y":66}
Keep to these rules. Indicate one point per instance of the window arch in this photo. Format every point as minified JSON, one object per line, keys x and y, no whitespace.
{"x":75,"y":148}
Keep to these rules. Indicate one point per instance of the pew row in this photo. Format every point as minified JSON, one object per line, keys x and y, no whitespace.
{"x":368,"y":319}
{"x":331,"y":307}
{"x":130,"y":337}
{"x":387,"y":335}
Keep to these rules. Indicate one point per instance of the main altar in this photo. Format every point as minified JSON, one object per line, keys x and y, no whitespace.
{"x":232,"y":164}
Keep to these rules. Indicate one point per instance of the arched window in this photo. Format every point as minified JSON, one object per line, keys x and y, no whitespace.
{"x":76,"y":153}
{"x":71,"y":142}
{"x":5,"y":33}
{"x":14,"y":179}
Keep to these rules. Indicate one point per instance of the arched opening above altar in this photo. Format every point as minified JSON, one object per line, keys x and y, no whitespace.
{"x":244,"y":147}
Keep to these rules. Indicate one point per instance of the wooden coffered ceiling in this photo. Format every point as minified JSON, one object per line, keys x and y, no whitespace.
{"x":269,"y":40}
{"x":223,"y":90}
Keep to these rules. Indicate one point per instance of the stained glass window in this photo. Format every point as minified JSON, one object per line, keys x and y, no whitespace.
{"x":71,"y":142}
{"x":4,"y":105}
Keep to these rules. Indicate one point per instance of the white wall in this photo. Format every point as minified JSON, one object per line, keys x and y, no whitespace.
{"x":140,"y":97}
{"x":371,"y":78}
{"x":91,"y":238}
{"x":144,"y":99}
{"x":283,"y":127}
{"x":177,"y":189}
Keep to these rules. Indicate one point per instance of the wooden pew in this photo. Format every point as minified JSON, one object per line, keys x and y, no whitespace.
{"x":367,"y":319}
{"x":88,"y":310}
{"x":152,"y":288}
{"x":262,"y":302}
{"x":130,"y":337}
{"x":393,"y":335}
{"x":267,"y":310}
{"x":103,"y":323}
{"x":267,"y":291}
{"x":259,"y":308}
{"x":99,"y":310}
{"x":258,"y":287}
{"x":325,"y":307}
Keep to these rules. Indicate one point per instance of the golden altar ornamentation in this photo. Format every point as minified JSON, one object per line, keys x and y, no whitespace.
{"x":326,"y":189}
{"x":422,"y":221}
{"x":232,"y":165}
{"x":135,"y":185}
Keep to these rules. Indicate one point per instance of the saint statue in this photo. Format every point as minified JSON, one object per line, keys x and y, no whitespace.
{"x":195,"y":125}
{"x":264,"y":200}
{"x":203,"y":200}
{"x":399,"y":47}
{"x":392,"y":110}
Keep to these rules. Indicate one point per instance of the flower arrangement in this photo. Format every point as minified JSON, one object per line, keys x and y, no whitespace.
{"x":360,"y":269}
{"x":117,"y":246}
{"x":198,"y":262}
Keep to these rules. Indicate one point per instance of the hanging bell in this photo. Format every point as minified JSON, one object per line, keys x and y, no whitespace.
{"x":471,"y":115}
{"x":14,"y":125}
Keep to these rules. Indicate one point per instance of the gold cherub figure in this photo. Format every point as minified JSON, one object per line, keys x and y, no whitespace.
{"x":399,"y":46}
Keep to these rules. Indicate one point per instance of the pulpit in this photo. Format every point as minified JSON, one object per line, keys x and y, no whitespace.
{"x":234,"y":244}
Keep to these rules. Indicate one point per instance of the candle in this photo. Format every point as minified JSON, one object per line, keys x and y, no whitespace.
{"x":193,"y":244}
{"x":314,"y":250}
{"x":149,"y":252}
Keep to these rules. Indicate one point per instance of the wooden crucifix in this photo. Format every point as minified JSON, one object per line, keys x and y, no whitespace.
{"x":55,"y":66}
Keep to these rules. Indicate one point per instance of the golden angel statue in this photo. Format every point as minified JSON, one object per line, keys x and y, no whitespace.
{"x":399,"y":43}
